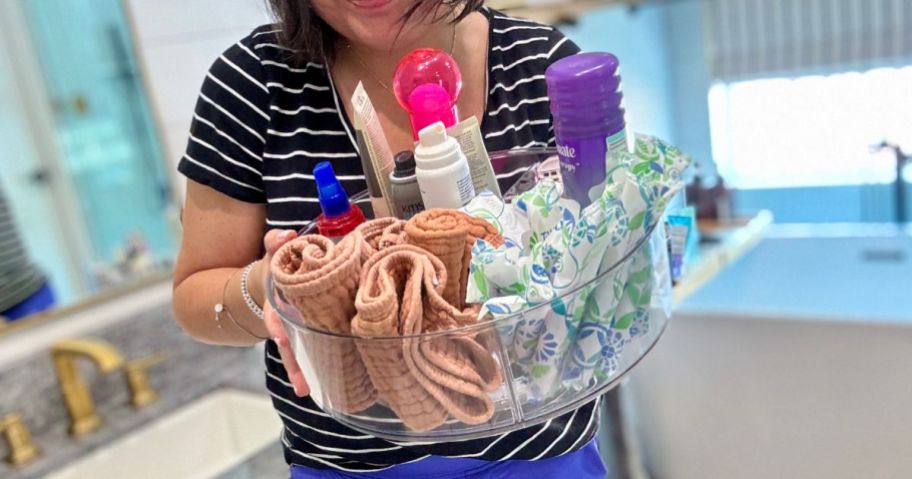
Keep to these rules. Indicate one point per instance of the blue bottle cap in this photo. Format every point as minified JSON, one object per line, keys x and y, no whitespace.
{"x":333,"y":199}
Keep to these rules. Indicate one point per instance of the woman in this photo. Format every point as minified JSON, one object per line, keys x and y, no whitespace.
{"x":277,"y":103}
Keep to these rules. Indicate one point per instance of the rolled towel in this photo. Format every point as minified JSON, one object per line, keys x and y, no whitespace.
{"x":373,"y":233}
{"x":421,"y":379}
{"x":450,"y":235}
{"x":379,"y":312}
{"x":320,"y":279}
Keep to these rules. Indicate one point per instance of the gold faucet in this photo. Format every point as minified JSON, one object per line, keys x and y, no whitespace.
{"x":76,"y":393}
{"x":21,"y":448}
{"x":141,"y":391}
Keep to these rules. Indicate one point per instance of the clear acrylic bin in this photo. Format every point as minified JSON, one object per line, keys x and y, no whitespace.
{"x":499,"y":375}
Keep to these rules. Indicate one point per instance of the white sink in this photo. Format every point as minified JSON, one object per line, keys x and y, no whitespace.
{"x":200,"y":440}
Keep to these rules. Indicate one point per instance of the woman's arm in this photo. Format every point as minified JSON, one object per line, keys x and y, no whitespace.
{"x":221,"y":235}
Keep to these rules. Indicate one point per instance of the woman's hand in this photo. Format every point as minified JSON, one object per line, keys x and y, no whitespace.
{"x":273,"y":241}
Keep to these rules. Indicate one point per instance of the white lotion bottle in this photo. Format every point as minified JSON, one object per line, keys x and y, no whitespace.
{"x":442,"y":169}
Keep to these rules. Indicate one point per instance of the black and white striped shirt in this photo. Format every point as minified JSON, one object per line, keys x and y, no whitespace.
{"x":260,"y":127}
{"x":19,"y":277}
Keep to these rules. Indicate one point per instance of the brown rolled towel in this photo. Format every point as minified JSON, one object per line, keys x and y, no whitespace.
{"x":320,"y":279}
{"x":393,"y":234}
{"x":386,"y":276}
{"x":421,"y":379}
{"x":450,"y":235}
{"x":373,"y":233}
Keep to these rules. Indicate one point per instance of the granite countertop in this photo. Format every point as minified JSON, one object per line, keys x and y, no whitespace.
{"x":190,"y":371}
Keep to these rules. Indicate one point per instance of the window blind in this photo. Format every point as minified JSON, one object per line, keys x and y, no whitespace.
{"x":762,"y":38}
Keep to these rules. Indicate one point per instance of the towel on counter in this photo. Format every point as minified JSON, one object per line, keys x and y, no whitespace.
{"x":320,"y":279}
{"x":424,"y":379}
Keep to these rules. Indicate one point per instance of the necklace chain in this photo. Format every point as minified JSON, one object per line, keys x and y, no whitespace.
{"x":381,"y":83}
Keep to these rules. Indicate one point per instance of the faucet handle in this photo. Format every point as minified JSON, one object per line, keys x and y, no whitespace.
{"x":22,"y":449}
{"x":137,"y":372}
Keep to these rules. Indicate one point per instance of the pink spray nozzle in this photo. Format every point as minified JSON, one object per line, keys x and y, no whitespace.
{"x":429,"y":103}
{"x":427,"y":84}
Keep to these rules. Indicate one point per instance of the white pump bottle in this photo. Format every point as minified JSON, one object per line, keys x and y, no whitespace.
{"x":442,"y":169}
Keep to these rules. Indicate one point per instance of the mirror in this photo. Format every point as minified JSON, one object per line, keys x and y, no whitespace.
{"x":86,"y":205}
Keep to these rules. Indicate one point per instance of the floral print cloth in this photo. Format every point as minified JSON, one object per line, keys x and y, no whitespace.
{"x":580,"y":279}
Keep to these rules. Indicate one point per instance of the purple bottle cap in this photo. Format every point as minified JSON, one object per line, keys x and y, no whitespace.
{"x":585,"y":95}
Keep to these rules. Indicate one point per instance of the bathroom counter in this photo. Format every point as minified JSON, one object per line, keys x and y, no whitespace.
{"x":191,"y":371}
{"x":721,"y":245}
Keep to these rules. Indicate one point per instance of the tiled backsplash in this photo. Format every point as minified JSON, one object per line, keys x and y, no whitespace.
{"x":190,"y":370}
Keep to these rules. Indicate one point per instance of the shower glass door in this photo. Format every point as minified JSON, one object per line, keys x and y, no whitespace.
{"x":110,"y":148}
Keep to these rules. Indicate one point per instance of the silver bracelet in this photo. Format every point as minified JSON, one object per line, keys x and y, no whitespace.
{"x":241,"y":326}
{"x":220,"y":307}
{"x":248,"y":299}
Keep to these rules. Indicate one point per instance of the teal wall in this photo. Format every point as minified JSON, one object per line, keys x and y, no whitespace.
{"x":639,"y":38}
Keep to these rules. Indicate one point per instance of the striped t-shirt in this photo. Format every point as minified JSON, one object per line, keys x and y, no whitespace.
{"x":19,"y":277}
{"x":260,"y":127}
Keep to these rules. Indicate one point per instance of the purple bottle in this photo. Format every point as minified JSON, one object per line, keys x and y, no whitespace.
{"x":586,"y":103}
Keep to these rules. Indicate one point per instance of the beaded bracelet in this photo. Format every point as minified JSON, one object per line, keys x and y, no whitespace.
{"x":248,"y":298}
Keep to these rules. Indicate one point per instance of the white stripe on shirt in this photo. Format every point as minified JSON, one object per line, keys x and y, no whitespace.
{"x":287,"y":223}
{"x":519,"y":42}
{"x":245,"y":74}
{"x":238,"y":96}
{"x":226,"y":136}
{"x":527,"y":101}
{"x":302,"y":108}
{"x":307,"y":86}
{"x":539,"y":56}
{"x":527,"y":441}
{"x":561,"y":436}
{"x":305,"y":176}
{"x":229,"y":115}
{"x":521,"y":27}
{"x":224,"y":156}
{"x":518,"y":82}
{"x":294,"y":199}
{"x":292,"y":69}
{"x":220,"y":174}
{"x":308,"y":154}
{"x":513,"y":127}
{"x":287,"y":134}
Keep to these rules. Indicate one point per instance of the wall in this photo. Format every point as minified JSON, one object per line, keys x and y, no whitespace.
{"x":723,"y":396}
{"x":640,"y":41}
{"x":689,"y":81}
{"x":176,"y":42}
{"x":824,"y":204}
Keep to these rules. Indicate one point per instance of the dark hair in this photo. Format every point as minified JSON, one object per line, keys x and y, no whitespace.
{"x":310,"y":38}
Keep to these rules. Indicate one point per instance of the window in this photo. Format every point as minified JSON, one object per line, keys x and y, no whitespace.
{"x":812,"y":130}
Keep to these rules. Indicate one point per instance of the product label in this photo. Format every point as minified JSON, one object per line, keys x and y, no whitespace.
{"x":468,"y":135}
{"x":378,"y":150}
{"x":582,"y":167}
{"x":466,"y":190}
{"x":407,"y":211}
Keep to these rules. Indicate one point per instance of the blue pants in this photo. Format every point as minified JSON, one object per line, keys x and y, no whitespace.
{"x":39,"y":301}
{"x":582,"y":464}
